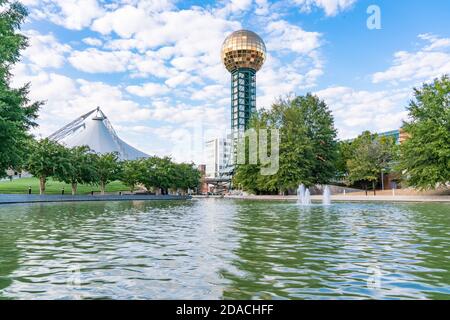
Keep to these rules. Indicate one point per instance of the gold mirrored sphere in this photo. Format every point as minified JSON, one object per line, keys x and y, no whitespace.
{"x":243,"y":49}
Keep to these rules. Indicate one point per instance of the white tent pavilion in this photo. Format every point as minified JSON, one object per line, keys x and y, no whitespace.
{"x":94,"y":130}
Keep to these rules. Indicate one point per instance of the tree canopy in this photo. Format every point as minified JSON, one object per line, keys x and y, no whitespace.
{"x":17,"y":113}
{"x":164,"y":174}
{"x":45,"y":159}
{"x":80,"y":168}
{"x":308,"y":146}
{"x":425,"y":155}
{"x":368,"y":155}
{"x":107,"y":168}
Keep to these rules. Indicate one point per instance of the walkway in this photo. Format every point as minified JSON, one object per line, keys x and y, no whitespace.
{"x":19,"y":198}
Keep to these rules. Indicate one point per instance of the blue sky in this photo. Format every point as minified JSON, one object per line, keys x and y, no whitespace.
{"x":154,"y":66}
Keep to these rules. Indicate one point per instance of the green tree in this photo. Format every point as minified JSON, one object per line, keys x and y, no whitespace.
{"x":80,"y":168}
{"x":17,"y":114}
{"x":186,"y":176}
{"x":425,"y":155}
{"x":164,"y":174}
{"x":147,"y":173}
{"x":344,"y":153}
{"x":47,"y":159}
{"x":107,"y":168}
{"x":131,"y":173}
{"x":370,"y":155}
{"x":308,"y":146}
{"x":158,"y":173}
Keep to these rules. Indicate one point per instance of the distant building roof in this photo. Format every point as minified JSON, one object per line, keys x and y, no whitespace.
{"x":94,"y":130}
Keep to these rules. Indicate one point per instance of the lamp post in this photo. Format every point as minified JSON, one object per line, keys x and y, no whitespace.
{"x":382,"y":179}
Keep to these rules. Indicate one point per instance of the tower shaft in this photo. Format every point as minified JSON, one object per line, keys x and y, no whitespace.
{"x":243,"y":98}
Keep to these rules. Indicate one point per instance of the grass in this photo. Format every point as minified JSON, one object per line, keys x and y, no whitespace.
{"x":20,"y":186}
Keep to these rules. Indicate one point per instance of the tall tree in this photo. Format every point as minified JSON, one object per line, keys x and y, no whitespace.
{"x":370,"y":155}
{"x":17,"y":114}
{"x":107,"y":168}
{"x":158,"y":173}
{"x":47,"y":159}
{"x":130,"y":173}
{"x":80,"y":168}
{"x":186,"y":176}
{"x":425,"y":155}
{"x":307,"y":146}
{"x":148,"y":175}
{"x":164,"y":174}
{"x":344,"y":153}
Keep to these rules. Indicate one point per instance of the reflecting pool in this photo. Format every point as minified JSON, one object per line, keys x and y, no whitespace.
{"x":224,"y":249}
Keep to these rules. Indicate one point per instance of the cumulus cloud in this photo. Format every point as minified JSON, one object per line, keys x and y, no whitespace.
{"x":359,"y":110}
{"x":331,"y":7}
{"x":167,"y":55}
{"x":95,"y":42}
{"x":67,"y":98}
{"x":430,"y":61}
{"x":286,"y":36}
{"x":71,"y":14}
{"x":44,"y":51}
{"x":93,"y":60}
{"x":148,"y":90}
{"x":125,"y":21}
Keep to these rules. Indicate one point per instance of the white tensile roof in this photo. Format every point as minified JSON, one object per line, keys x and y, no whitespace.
{"x":94,"y":130}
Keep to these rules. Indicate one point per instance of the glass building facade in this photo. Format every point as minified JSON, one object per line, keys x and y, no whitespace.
{"x":243,"y":98}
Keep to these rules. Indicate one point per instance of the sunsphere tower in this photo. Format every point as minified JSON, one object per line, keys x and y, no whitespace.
{"x":243,"y":54}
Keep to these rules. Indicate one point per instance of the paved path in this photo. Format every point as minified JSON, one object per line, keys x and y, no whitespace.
{"x":19,"y":198}
{"x":350,"y":198}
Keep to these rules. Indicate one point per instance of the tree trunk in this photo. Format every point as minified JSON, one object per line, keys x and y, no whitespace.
{"x":373,"y":186}
{"x":74,"y":189}
{"x":102,"y":187}
{"x":42,"y":181}
{"x":365,"y":185}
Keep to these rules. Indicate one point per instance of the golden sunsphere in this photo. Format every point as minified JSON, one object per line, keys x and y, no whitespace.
{"x":243,"y":49}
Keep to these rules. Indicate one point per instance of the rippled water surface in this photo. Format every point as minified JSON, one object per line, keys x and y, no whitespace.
{"x":224,"y":249}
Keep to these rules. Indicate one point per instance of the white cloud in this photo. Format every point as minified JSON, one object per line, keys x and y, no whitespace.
{"x":429,"y":62}
{"x":66,"y":98}
{"x":182,"y":78}
{"x":435,"y":42}
{"x":178,"y":54}
{"x":283,"y":35}
{"x":125,"y":21}
{"x":213,"y":92}
{"x":71,"y":14}
{"x":95,"y":42}
{"x":45,"y":51}
{"x":191,"y":32}
{"x":356,"y":111}
{"x":331,"y":7}
{"x":186,"y":63}
{"x":148,"y":90}
{"x":282,"y":75}
{"x":29,"y":2}
{"x":93,"y":60}
{"x":262,"y":7}
{"x":180,"y":131}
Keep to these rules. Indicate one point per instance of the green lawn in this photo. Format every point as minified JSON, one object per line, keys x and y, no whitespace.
{"x":20,"y":186}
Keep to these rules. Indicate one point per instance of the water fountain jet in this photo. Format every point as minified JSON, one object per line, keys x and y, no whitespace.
{"x":304,"y":196}
{"x":326,"y":201}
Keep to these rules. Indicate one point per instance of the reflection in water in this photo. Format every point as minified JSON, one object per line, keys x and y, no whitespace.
{"x":212,"y":249}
